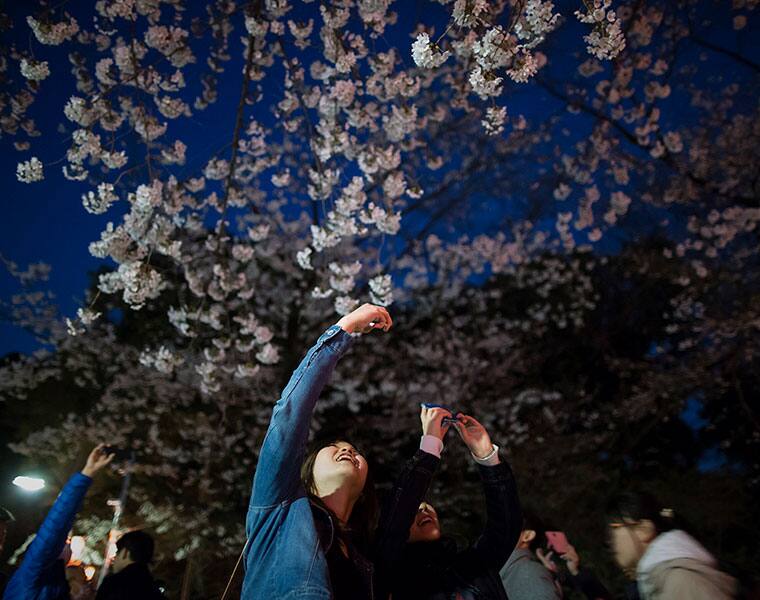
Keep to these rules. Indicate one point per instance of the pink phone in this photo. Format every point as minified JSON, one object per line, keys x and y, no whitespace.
{"x":557,"y":541}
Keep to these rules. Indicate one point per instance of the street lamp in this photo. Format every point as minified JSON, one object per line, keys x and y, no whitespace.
{"x":29,"y":484}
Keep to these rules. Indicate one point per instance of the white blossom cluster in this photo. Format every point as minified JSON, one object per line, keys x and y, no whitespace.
{"x":493,"y":124}
{"x":467,"y":13}
{"x":53,"y":34}
{"x":100,"y":202}
{"x":381,"y":290}
{"x":484,"y":83}
{"x":30,"y":171}
{"x":163,"y":360}
{"x":426,"y":54}
{"x":606,"y":40}
{"x":537,"y":20}
{"x":137,"y":281}
{"x":34,"y":70}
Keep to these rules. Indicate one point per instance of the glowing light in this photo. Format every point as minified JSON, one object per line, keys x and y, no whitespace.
{"x":29,"y":484}
{"x":89,"y":572}
{"x":113,"y":535}
{"x":77,"y":548}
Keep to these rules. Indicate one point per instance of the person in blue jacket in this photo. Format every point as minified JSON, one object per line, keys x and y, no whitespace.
{"x":299,"y":529}
{"x":42,"y":573}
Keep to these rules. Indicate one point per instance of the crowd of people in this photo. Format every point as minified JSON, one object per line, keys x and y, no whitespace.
{"x":316,"y":530}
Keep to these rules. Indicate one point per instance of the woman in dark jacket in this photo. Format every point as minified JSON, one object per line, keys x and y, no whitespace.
{"x":427,"y":565}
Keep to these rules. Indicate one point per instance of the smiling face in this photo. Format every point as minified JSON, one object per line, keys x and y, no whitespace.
{"x":425,"y":527}
{"x":339,"y":466}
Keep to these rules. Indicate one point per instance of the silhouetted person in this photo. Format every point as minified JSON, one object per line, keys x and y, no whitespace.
{"x":131,"y":577}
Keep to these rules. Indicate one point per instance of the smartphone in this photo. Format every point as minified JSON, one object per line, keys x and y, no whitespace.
{"x":557,"y":541}
{"x":119,"y":453}
{"x":455,"y":413}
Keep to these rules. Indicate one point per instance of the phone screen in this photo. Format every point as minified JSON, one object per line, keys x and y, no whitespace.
{"x":557,"y":541}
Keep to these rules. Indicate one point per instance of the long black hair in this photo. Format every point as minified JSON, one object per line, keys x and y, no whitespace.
{"x":361,"y":524}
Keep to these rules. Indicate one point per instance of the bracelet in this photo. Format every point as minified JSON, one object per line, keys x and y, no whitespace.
{"x":490,"y":455}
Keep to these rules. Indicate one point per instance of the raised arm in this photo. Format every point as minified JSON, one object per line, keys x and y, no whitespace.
{"x":278,"y":471}
{"x":410,"y":486}
{"x":402,"y":504}
{"x":52,"y":534}
{"x":503,"y":513}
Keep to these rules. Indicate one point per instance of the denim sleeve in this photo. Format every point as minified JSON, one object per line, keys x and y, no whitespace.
{"x":51,"y":536}
{"x":278,"y":472}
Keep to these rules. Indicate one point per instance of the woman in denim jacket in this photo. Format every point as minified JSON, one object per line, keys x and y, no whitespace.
{"x":299,"y":542}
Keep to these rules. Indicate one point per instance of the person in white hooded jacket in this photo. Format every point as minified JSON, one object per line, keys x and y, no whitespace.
{"x":667,"y":563}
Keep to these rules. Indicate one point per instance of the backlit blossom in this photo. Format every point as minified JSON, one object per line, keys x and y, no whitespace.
{"x":381,"y":290}
{"x":34,"y":70}
{"x":485,"y":84}
{"x":467,"y":12}
{"x":537,"y":20}
{"x":494,"y":120}
{"x":426,"y":54}
{"x":495,"y":49}
{"x":303,"y":257}
{"x":100,"y":201}
{"x":53,"y":34}
{"x":30,"y":171}
{"x":345,"y":304}
{"x":606,"y":40}
{"x":524,"y":67}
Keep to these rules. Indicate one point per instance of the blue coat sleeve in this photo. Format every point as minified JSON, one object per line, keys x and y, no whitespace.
{"x":50,"y":540}
{"x":278,"y":472}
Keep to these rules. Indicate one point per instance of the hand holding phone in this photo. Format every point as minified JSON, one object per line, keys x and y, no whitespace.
{"x":436,"y":419}
{"x":454,"y":413}
{"x":119,"y":453}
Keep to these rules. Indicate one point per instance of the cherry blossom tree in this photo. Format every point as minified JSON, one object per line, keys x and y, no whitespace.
{"x":335,"y":133}
{"x":573,"y":268}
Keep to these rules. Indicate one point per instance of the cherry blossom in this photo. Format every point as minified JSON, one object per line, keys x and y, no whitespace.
{"x":30,"y":171}
{"x":34,"y":70}
{"x":426,"y":54}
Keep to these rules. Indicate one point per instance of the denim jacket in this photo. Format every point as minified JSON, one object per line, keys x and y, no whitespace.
{"x":41,"y":575}
{"x":284,"y":558}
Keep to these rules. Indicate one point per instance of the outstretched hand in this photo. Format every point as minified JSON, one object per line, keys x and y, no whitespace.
{"x":432,"y":421}
{"x":474,"y":435}
{"x":97,"y":459}
{"x":366,"y":318}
